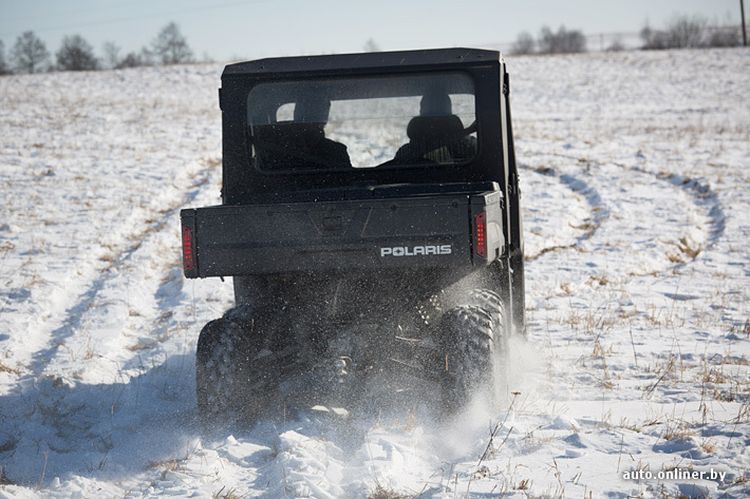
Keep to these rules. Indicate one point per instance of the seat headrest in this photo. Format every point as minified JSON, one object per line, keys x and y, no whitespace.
{"x":433,"y":127}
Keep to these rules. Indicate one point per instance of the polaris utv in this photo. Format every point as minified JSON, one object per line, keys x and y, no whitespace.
{"x":370,"y":221}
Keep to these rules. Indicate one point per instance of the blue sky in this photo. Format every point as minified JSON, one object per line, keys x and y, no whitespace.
{"x":230,"y":29}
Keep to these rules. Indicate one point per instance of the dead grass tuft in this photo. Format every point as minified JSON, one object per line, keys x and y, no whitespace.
{"x":599,"y":351}
{"x":549,"y":249}
{"x":7,"y":369}
{"x":381,"y":492}
{"x":743,"y":414}
{"x":137,"y":347}
{"x":708,"y":446}
{"x":544,"y":170}
{"x":664,"y":317}
{"x":167,"y":466}
{"x":229,"y":494}
{"x":663,"y":372}
{"x":7,"y":246}
{"x":713,"y":375}
{"x":686,"y":251}
{"x":587,"y":227}
{"x":524,"y":484}
{"x":678,"y":431}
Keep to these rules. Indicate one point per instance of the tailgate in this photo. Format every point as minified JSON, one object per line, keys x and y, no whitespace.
{"x":325,"y":236}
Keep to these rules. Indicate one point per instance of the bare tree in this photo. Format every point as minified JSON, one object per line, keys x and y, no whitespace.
{"x":131,"y":60}
{"x":371,"y":46}
{"x":727,"y":36}
{"x":616,"y":45}
{"x":111,"y":53}
{"x":76,"y":54}
{"x":687,"y":32}
{"x":654,"y":39}
{"x":147,"y":57}
{"x":170,"y":47}
{"x":29,"y":54}
{"x":4,"y":70}
{"x":563,"y":42}
{"x":681,"y":32}
{"x":524,"y":44}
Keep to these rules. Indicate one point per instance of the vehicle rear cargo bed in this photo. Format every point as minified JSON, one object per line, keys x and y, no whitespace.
{"x":426,"y":231}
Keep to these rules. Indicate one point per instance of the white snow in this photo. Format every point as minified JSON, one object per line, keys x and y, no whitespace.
{"x":635,"y":172}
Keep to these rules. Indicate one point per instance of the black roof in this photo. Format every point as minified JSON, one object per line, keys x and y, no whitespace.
{"x":369,"y":60}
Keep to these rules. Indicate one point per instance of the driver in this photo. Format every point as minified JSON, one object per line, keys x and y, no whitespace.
{"x":436,"y":135}
{"x":310,"y":118}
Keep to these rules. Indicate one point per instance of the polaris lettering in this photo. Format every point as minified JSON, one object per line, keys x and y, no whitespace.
{"x":443,"y":249}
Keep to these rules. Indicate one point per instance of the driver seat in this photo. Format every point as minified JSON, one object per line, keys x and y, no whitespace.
{"x":433,"y":128}
{"x":431,"y":140}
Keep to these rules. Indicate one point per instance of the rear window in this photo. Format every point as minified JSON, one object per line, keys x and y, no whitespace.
{"x":339,"y":124}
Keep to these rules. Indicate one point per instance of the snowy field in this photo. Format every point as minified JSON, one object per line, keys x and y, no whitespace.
{"x":636,"y":182}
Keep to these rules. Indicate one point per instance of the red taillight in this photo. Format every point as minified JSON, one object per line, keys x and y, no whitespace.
{"x":188,"y":257}
{"x":480,"y":234}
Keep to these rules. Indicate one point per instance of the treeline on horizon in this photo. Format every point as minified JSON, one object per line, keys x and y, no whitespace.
{"x":680,"y":32}
{"x":29,"y":53}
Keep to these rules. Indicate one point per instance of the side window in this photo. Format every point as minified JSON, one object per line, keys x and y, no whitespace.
{"x":285,"y":112}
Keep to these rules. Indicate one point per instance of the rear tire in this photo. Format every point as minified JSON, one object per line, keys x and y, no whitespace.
{"x":491,"y":302}
{"x":475,"y":347}
{"x":468,"y":345}
{"x":222,"y":373}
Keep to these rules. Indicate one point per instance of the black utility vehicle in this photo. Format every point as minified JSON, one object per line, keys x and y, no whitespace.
{"x":370,"y":220}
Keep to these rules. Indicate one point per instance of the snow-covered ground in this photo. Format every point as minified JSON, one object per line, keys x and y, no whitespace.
{"x":636,"y":176}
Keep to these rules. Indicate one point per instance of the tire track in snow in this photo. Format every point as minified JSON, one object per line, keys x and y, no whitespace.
{"x":75,"y":314}
{"x":702,"y":199}
{"x":598,"y":212}
{"x":703,"y":196}
{"x":68,"y":416}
